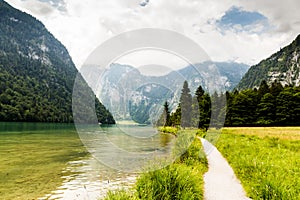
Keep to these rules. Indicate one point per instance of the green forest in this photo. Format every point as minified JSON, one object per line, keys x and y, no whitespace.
{"x":36,"y":73}
{"x":269,"y":105}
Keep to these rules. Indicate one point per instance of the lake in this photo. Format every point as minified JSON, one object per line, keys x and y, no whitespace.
{"x":53,"y":161}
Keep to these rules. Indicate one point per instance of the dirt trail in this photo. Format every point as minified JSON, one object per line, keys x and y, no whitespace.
{"x":220,"y":182}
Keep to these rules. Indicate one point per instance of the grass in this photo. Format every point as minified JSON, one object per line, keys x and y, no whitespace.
{"x":266,"y":160}
{"x":31,"y":162}
{"x":120,"y":195}
{"x":283,"y":133}
{"x":181,"y":180}
{"x":168,"y":129}
{"x":176,"y":181}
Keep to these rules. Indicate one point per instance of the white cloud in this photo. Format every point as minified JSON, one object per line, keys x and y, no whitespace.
{"x":33,"y":7}
{"x":165,"y":60}
{"x":283,"y":14}
{"x":83,"y":25}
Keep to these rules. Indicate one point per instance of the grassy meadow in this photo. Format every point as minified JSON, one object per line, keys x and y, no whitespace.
{"x":266,"y":160}
{"x":32,"y":159}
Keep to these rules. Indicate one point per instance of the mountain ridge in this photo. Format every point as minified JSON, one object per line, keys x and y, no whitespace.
{"x":37,"y":73}
{"x":282,"y":66}
{"x":126,"y":98}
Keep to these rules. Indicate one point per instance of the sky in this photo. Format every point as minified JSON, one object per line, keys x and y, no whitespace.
{"x":244,"y":31}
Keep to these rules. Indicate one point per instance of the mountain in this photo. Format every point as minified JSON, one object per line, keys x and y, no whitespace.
{"x":229,"y":74}
{"x":36,"y":72}
{"x":282,"y":67}
{"x":131,"y":95}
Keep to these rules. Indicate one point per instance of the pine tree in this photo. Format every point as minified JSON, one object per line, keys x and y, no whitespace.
{"x":266,"y":110}
{"x":176,"y":117}
{"x":276,"y":88}
{"x":204,"y":107}
{"x":263,"y":89}
{"x":167,"y":114}
{"x":165,"y":119}
{"x":186,"y":106}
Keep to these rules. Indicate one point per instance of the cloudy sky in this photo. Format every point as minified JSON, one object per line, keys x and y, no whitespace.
{"x":229,"y":30}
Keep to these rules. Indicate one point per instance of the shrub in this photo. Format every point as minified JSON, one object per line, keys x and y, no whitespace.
{"x":168,"y":129}
{"x":170,"y":183}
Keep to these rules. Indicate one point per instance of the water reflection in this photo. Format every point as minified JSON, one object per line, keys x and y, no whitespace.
{"x":89,"y":179}
{"x":128,"y":151}
{"x":92,"y":178}
{"x":165,"y":139}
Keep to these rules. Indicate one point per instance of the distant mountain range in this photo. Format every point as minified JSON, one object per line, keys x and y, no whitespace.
{"x":283,"y":67}
{"x":36,"y":72}
{"x":131,"y":95}
{"x":37,"y":77}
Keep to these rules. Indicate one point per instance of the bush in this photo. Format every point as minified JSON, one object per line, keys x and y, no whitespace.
{"x":168,"y":129}
{"x":201,"y":133}
{"x":173,"y":182}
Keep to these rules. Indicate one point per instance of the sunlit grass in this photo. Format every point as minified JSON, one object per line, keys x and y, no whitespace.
{"x":286,"y":133}
{"x":168,"y":129}
{"x":266,"y":160}
{"x":120,"y":195}
{"x":31,"y":162}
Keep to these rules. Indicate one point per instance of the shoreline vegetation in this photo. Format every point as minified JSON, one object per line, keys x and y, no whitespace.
{"x":183,"y":179}
{"x":265,"y":159}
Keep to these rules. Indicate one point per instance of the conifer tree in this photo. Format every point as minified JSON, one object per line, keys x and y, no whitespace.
{"x":186,"y":106}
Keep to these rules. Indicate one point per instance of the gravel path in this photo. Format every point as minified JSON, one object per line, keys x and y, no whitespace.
{"x":220,"y":182}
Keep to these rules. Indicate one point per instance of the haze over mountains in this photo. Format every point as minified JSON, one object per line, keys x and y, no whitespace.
{"x":128,"y":93}
{"x":128,"y":99}
{"x":36,"y":72}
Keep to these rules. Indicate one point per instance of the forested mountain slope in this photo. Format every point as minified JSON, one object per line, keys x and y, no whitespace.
{"x":283,"y":67}
{"x":36,"y":72}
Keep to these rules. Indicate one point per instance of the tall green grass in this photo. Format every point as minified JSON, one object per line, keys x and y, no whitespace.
{"x":181,"y":180}
{"x":176,"y":181}
{"x":268,"y":167}
{"x":120,"y":195}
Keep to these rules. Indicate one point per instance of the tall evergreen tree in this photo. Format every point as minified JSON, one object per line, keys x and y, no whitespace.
{"x":186,"y":105}
{"x":176,"y":117}
{"x":167,"y":114}
{"x":199,"y":93}
{"x":229,"y":100}
{"x":266,"y":110}
{"x":276,"y":88}
{"x":263,"y":89}
{"x":285,"y":107}
{"x":195,"y":112}
{"x":205,"y":111}
{"x":244,"y":108}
